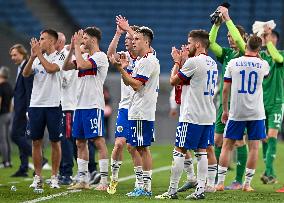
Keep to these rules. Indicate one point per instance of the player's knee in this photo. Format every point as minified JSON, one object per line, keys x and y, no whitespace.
{"x":100,"y":143}
{"x":55,"y":144}
{"x":37,"y":143}
{"x":210,"y":151}
{"x":119,"y":144}
{"x":81,"y":144}
{"x":218,"y":139}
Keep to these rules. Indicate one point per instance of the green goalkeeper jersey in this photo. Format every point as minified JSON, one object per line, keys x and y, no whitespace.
{"x":273,"y":85}
{"x":227,"y":55}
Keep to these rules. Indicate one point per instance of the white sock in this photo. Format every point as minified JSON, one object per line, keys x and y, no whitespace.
{"x":176,"y":171}
{"x":139,"y":176}
{"x":82,"y":169}
{"x":147,"y":179}
{"x":115,"y":165}
{"x":202,"y":170}
{"x":189,"y":169}
{"x":249,"y":176}
{"x":103,"y":164}
{"x":222,"y":171}
{"x":212,"y":172}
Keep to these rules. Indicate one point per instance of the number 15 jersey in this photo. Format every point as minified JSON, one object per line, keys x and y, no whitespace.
{"x":197,"y":105}
{"x":246,"y":74}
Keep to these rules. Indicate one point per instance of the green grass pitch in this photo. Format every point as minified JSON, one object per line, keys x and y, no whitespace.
{"x":162,"y":156}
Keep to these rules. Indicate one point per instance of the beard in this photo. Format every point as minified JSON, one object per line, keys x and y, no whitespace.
{"x":192,"y":52}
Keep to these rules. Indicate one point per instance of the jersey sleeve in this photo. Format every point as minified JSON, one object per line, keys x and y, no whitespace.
{"x":98,"y":61}
{"x":228,"y":75}
{"x":266,"y":69}
{"x":144,"y":71}
{"x":187,"y":70}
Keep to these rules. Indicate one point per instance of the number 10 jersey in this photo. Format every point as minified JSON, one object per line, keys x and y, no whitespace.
{"x":246,"y":74}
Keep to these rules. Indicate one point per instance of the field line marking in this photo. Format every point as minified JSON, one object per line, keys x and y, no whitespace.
{"x":163,"y":168}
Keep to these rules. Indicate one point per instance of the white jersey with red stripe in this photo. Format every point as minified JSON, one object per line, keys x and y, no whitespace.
{"x":143,"y":102}
{"x":47,"y":86}
{"x":126,"y":90}
{"x":246,"y":74}
{"x":197,"y":105}
{"x":90,"y":82}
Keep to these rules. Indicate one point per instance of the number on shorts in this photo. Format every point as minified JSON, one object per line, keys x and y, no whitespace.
{"x":134,"y":131}
{"x":277,"y":118}
{"x":94,"y":123}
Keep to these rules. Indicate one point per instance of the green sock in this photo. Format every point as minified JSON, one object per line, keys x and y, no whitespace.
{"x":218,"y":153}
{"x":270,"y":156}
{"x":264,"y":150}
{"x":242,"y":154}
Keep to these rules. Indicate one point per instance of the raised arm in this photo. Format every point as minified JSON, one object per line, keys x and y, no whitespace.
{"x":177,"y":58}
{"x":49,"y":67}
{"x":122,"y":22}
{"x":81,"y":62}
{"x":233,"y":29}
{"x":275,"y":54}
{"x":68,"y":64}
{"x":113,"y":45}
{"x":214,"y":47}
{"x":27,"y":71}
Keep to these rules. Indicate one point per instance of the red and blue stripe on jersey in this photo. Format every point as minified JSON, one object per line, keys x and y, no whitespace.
{"x":227,"y":79}
{"x":141,"y":78}
{"x":91,"y":71}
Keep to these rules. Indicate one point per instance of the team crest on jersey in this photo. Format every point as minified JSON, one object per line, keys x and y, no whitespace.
{"x":119,"y":129}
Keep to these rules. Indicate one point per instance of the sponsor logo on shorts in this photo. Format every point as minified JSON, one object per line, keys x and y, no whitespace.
{"x":119,"y":129}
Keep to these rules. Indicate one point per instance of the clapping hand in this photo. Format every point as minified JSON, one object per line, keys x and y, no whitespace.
{"x":176,"y":55}
{"x":120,"y":62}
{"x":78,"y":37}
{"x":122,"y":22}
{"x":35,"y":48}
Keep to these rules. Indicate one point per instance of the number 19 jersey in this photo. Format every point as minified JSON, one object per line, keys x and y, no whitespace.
{"x":197,"y":105}
{"x":246,"y":74}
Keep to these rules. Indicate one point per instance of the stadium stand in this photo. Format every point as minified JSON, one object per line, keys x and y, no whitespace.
{"x":15,"y":14}
{"x":169,"y":19}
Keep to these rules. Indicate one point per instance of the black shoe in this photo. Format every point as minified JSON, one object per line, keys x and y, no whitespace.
{"x":264,"y":178}
{"x":187,"y":185}
{"x":95,"y":177}
{"x":20,"y":173}
{"x":65,"y":180}
{"x":196,"y":196}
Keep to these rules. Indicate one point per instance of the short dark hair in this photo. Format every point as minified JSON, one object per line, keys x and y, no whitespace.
{"x":254,"y":43}
{"x":201,"y":35}
{"x":21,"y":49}
{"x":242,"y":32}
{"x":276,"y":34}
{"x":94,"y":32}
{"x":51,"y":32}
{"x":146,"y":32}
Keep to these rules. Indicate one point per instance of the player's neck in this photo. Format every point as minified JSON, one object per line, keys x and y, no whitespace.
{"x":143,"y":52}
{"x":251,"y":53}
{"x":93,"y":50}
{"x":200,"y":51}
{"x":50,"y":50}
